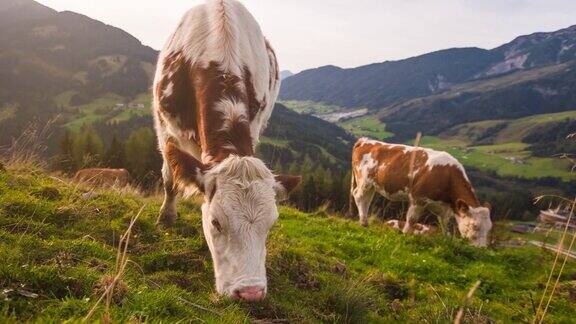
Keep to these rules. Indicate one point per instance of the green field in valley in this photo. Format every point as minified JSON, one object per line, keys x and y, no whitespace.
{"x":104,"y":109}
{"x":508,"y":159}
{"x":368,"y":126}
{"x":58,"y":245}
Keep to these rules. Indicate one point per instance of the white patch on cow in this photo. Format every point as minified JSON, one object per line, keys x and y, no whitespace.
{"x":232,"y":112}
{"x":168,"y":90}
{"x":366,"y":165}
{"x":439,"y":158}
{"x":366,"y":140}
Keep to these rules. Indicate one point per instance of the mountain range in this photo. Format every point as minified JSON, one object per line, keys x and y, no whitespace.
{"x":532,"y":74}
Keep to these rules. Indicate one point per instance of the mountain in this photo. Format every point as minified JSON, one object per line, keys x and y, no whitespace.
{"x":285,"y":74}
{"x":53,"y":52}
{"x":377,"y":85}
{"x":45,"y":54}
{"x":382,"y":84}
{"x":547,"y":89}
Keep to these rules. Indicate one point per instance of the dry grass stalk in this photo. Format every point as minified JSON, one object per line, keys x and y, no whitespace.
{"x":467,"y":301}
{"x":28,"y":148}
{"x":120,"y":267}
{"x":413,"y":161}
{"x":539,"y":318}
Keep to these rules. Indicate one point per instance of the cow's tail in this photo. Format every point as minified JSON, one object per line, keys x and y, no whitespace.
{"x":353,"y":185}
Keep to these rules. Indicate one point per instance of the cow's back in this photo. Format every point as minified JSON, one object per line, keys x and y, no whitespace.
{"x":216,"y":72}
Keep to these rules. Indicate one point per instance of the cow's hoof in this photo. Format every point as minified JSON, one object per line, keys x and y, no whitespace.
{"x":166,"y":218}
{"x":364,"y":224}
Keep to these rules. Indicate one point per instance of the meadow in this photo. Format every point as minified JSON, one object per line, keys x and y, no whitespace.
{"x":59,"y":241}
{"x":507,"y":159}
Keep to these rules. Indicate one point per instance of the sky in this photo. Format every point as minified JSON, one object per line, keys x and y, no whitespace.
{"x":313,"y":33}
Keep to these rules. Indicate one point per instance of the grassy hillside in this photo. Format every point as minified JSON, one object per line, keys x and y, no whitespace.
{"x":507,"y":130}
{"x":58,"y":241}
{"x":507,"y":159}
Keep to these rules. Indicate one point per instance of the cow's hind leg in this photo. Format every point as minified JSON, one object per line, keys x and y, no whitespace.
{"x":414,"y":212}
{"x":363,"y":198}
{"x":168,"y":211}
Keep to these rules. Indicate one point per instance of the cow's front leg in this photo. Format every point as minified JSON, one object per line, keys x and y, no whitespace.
{"x":363,"y":198}
{"x":168,"y":211}
{"x":414,"y":212}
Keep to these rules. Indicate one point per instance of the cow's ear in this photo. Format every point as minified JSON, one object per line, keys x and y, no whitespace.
{"x":488,"y":205}
{"x":462,"y":207}
{"x":285,"y":184}
{"x":186,"y":170}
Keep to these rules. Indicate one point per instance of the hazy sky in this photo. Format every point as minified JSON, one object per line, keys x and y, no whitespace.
{"x":312,"y":33}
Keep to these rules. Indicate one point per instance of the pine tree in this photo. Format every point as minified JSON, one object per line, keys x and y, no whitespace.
{"x":309,"y":199}
{"x":278,"y":167}
{"x":65,"y":158}
{"x":115,"y":157}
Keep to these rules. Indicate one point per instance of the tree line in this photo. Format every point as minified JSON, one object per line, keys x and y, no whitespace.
{"x":325,"y":183}
{"x":138,"y":153}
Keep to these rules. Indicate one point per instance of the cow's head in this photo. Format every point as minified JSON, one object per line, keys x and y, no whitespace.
{"x":474,"y":223}
{"x":239,"y":209}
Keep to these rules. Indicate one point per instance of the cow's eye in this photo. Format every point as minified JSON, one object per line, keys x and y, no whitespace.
{"x":217,"y":225}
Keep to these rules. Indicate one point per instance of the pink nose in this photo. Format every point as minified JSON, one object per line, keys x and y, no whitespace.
{"x":251,"y":293}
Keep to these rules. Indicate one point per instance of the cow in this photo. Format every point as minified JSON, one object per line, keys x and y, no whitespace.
{"x":215,"y":87}
{"x":436,"y":182}
{"x":101,"y":177}
{"x":419,"y":229}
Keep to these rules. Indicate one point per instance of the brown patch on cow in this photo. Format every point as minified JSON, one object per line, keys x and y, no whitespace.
{"x":212,"y":85}
{"x":442,"y":183}
{"x":252,"y":103}
{"x":185,"y":168}
{"x":175,"y":92}
{"x":189,"y":95}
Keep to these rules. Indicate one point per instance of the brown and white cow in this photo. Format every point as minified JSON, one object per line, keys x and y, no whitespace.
{"x":439,"y":184}
{"x":215,"y":87}
{"x":418,"y":229}
{"x":103,"y":177}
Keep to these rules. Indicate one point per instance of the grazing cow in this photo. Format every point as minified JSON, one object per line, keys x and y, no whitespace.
{"x":215,"y":87}
{"x":439,"y":184}
{"x":103,"y":177}
{"x":419,"y":229}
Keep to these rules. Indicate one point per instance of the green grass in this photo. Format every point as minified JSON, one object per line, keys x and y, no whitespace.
{"x":498,"y":158}
{"x":59,"y":243}
{"x":368,"y":126}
